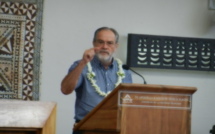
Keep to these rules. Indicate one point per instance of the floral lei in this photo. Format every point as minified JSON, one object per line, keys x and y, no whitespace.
{"x":91,"y":77}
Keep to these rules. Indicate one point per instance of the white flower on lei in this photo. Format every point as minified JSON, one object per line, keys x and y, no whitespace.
{"x":91,"y":77}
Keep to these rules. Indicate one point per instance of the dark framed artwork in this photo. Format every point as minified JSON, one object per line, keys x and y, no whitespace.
{"x":169,"y":52}
{"x":20,"y":44}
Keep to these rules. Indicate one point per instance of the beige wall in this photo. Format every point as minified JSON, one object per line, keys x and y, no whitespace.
{"x":68,"y":27}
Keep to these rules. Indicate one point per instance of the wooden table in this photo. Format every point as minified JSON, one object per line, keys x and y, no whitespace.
{"x":27,"y":117}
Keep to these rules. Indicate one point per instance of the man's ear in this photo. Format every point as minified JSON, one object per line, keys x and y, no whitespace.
{"x":93,"y":43}
{"x":117,"y":45}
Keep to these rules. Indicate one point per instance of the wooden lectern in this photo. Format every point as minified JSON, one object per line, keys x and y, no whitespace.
{"x":27,"y":117}
{"x":141,"y":109}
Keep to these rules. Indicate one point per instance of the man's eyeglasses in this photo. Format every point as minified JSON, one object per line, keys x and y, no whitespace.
{"x":101,"y":43}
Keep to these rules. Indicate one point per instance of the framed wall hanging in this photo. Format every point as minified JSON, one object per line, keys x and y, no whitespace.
{"x":20,"y":43}
{"x":167,"y":52}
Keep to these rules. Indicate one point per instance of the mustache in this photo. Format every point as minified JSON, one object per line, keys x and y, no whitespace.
{"x":103,"y":51}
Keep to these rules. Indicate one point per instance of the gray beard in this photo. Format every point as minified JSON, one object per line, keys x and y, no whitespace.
{"x":104,"y":59}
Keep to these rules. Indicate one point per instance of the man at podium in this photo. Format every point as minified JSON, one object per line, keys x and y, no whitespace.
{"x":96,"y":74}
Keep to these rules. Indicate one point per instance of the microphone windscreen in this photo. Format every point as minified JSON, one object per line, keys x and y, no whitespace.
{"x":126,"y":67}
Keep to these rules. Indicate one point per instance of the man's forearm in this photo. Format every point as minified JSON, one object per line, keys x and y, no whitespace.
{"x":68,"y":84}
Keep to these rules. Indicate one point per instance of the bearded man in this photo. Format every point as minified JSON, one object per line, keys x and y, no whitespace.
{"x":96,"y":74}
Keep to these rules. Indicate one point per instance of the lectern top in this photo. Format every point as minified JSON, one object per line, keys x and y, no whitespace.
{"x":158,"y":88}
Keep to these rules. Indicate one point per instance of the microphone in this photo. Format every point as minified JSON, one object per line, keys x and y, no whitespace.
{"x":126,"y":67}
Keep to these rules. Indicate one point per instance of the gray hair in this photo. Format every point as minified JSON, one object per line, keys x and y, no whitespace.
{"x":106,"y":28}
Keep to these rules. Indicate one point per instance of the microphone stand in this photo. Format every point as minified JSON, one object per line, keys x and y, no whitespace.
{"x":144,"y":81}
